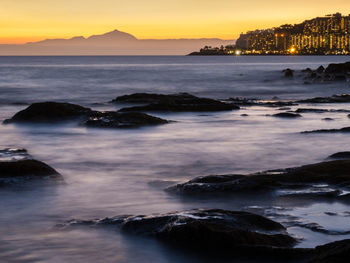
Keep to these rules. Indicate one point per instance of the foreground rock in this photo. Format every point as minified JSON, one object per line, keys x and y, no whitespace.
{"x":301,"y":182}
{"x":287,"y":115}
{"x":122,"y":120}
{"x":49,"y":112}
{"x":342,"y":130}
{"x":17,"y":165}
{"x":343,"y":98}
{"x":336,"y":252}
{"x":182,"y":102}
{"x":215,"y":231}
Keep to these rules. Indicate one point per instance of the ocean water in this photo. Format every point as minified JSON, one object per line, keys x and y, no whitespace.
{"x":115,"y":172}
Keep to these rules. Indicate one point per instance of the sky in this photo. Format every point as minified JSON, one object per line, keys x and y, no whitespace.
{"x":23,"y":21}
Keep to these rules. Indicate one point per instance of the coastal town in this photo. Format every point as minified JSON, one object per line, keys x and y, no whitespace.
{"x":328,"y":35}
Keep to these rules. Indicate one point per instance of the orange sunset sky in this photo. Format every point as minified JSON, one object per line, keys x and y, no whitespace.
{"x":31,"y":20}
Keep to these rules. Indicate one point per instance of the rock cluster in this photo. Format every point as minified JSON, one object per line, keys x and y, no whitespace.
{"x":51,"y":112}
{"x":335,"y":174}
{"x":182,"y":102}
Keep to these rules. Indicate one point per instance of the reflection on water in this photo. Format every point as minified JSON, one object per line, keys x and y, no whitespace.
{"x":114,"y":172}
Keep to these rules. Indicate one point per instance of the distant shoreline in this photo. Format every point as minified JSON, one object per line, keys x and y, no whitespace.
{"x":265,"y":55}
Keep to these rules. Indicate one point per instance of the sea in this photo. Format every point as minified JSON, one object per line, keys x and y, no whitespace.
{"x":109,"y":172}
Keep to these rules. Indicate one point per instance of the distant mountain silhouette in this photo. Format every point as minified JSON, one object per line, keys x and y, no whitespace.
{"x":111,"y":43}
{"x":115,"y":35}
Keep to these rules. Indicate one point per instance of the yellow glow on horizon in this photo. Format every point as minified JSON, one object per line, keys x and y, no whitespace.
{"x":32,"y":20}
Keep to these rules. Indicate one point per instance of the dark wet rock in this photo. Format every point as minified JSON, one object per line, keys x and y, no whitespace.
{"x":23,"y":168}
{"x":343,"y":98}
{"x":306,"y":110}
{"x":214,"y":231}
{"x":312,"y":110}
{"x":320,"y":69}
{"x":287,"y":115}
{"x":174,"y":103}
{"x":16,"y":164}
{"x":49,"y":112}
{"x":333,"y":173}
{"x":279,"y":104}
{"x":243,"y":101}
{"x":307,"y":70}
{"x":288,"y":73}
{"x":342,"y":130}
{"x":331,"y":214}
{"x":256,"y":102}
{"x":336,"y":252}
{"x":333,"y":72}
{"x":340,"y":68}
{"x":153,"y":98}
{"x":122,"y":120}
{"x":340,"y":155}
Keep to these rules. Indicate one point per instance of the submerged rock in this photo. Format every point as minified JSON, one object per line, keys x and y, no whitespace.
{"x":173,"y":103}
{"x":256,"y":102}
{"x":287,"y":115}
{"x":343,"y":98}
{"x":311,"y":110}
{"x":288,"y":73}
{"x":305,"y":110}
{"x":122,"y":120}
{"x":47,"y":112}
{"x":16,"y":164}
{"x":153,"y":98}
{"x":333,"y":173}
{"x":209,"y":231}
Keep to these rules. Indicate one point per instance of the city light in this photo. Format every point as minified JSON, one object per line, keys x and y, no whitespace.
{"x":321,"y":35}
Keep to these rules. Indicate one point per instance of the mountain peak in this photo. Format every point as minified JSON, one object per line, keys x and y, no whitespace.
{"x":113,"y":35}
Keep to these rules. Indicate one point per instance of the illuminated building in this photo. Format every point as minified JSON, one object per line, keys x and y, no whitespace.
{"x":322,"y":35}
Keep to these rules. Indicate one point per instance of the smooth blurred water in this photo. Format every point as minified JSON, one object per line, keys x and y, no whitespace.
{"x":113,"y":172}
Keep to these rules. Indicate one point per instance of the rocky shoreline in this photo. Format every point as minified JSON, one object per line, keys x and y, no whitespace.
{"x":224,"y":233}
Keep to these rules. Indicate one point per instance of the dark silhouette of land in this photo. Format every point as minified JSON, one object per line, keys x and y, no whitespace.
{"x":111,"y":43}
